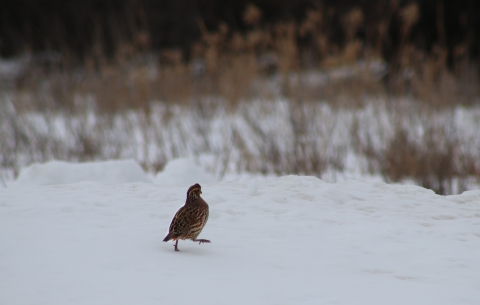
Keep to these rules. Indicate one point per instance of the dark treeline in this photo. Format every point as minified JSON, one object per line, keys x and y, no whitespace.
{"x":80,"y":28}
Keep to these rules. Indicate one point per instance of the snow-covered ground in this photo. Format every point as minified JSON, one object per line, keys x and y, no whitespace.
{"x":287,"y":240}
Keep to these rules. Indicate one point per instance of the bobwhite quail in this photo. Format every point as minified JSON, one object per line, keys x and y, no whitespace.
{"x":190,"y":219}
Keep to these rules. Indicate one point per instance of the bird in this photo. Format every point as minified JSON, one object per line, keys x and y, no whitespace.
{"x":190,"y":219}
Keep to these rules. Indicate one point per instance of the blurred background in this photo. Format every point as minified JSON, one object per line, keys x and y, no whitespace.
{"x":381,"y":89}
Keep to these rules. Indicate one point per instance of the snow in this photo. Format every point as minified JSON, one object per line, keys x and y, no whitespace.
{"x":285,"y":240}
{"x":184,"y":172}
{"x":59,"y":172}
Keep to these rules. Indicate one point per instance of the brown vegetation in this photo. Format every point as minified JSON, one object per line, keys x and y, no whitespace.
{"x":227,"y":70}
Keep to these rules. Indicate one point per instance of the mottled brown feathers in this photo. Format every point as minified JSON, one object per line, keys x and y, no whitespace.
{"x":190,"y":219}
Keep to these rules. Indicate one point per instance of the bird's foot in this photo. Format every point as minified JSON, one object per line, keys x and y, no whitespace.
{"x":200,"y":241}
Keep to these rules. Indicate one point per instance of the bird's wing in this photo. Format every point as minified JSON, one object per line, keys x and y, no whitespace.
{"x":180,"y":221}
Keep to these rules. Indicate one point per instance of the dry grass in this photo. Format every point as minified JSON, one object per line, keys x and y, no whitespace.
{"x":429,"y":150}
{"x":235,"y":66}
{"x":225,"y":72}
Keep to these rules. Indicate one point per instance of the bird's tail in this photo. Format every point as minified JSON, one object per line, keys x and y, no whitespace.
{"x":168,"y":237}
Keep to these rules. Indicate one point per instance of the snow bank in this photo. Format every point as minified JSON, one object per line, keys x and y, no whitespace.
{"x":59,"y":172}
{"x":184,"y":172}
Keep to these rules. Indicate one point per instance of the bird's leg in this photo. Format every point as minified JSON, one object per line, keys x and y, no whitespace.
{"x":200,"y":241}
{"x":176,"y":248}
